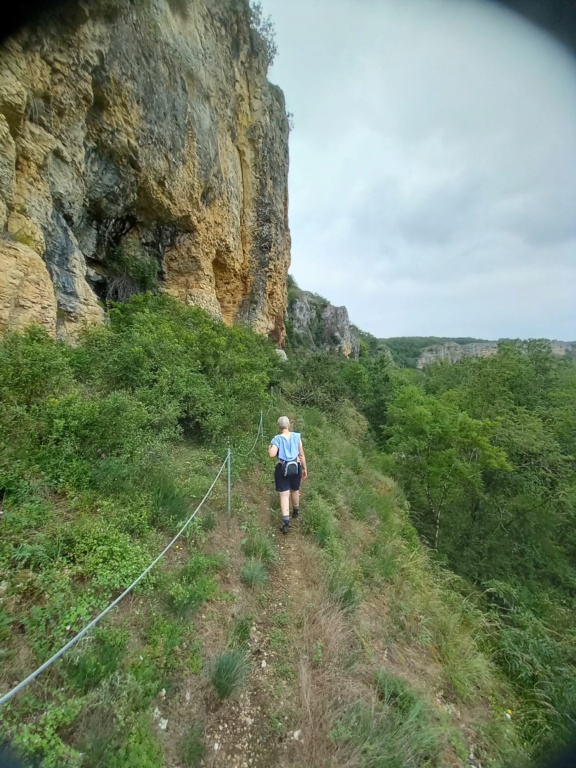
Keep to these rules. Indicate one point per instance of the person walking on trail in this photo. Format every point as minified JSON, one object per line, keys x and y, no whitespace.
{"x":286,"y":448}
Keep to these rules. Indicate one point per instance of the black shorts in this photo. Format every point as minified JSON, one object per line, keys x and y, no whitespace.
{"x":289,"y":482}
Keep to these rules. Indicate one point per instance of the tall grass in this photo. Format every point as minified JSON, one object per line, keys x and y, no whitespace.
{"x":228,"y":673}
{"x":259,"y":545}
{"x":254,"y":573}
{"x":193,"y":748}
{"x":319,"y":520}
{"x":370,"y":552}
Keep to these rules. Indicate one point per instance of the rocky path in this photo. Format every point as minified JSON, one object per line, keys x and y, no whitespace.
{"x":259,"y":728}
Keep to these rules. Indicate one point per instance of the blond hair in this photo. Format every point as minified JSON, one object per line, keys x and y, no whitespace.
{"x":283,"y":423}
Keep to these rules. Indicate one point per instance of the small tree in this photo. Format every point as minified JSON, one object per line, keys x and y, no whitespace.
{"x":132,"y":269}
{"x":264,"y":34}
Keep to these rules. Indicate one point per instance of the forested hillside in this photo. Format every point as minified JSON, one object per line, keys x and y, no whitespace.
{"x":420,"y":351}
{"x":354,"y":641}
{"x":485,"y":451}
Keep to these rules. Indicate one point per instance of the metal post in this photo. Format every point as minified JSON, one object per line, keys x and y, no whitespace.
{"x":262,"y":426}
{"x":229,"y":482}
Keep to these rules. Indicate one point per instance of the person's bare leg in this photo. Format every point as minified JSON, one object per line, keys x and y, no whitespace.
{"x":296,"y":501}
{"x":285,"y":503}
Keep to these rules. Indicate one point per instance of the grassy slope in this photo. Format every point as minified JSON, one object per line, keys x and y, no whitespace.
{"x":371,"y":653}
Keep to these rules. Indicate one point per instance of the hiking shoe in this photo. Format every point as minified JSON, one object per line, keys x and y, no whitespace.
{"x":295,"y":514}
{"x":285,"y":527}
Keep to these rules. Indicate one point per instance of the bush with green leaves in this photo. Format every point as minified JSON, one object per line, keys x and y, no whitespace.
{"x":141,"y":748}
{"x":165,"y":636}
{"x":132,"y":269}
{"x":94,"y":658}
{"x":192,"y":373}
{"x":263,"y":33}
{"x":106,"y":448}
{"x":193,"y":585}
{"x":36,"y":730}
{"x":485,"y":452}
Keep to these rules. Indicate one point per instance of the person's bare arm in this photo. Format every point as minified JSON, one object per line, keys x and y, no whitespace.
{"x":272,"y":451}
{"x":302,"y":460}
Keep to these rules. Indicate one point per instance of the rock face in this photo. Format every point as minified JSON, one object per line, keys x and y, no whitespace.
{"x":454,"y":352}
{"x":316,"y":324}
{"x":151,"y":124}
{"x":26,"y":291}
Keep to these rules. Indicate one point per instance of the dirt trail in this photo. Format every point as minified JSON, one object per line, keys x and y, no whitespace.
{"x":257,"y":730}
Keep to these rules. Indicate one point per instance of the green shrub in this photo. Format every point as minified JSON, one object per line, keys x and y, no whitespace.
{"x":5,"y":622}
{"x":132,"y":269}
{"x":144,"y":682}
{"x":140,"y":749}
{"x":33,"y":367}
{"x":39,"y":735}
{"x":363,"y":502}
{"x":94,"y":658}
{"x":184,"y":598}
{"x":165,"y":637}
{"x":352,"y":458}
{"x":200,"y":566}
{"x":263,"y":33}
{"x":112,"y":558}
{"x":254,"y":573}
{"x":208,"y":520}
{"x":311,"y":417}
{"x":228,"y":673}
{"x":170,"y":504}
{"x":128,"y":514}
{"x":193,"y":585}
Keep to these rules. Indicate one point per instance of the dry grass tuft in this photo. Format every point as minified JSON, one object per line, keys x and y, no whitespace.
{"x":329,"y":681}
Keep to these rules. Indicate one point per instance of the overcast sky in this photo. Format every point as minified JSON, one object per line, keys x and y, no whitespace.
{"x":433,"y":165}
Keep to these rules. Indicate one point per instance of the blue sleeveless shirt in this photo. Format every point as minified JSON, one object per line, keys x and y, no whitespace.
{"x":287,"y":447}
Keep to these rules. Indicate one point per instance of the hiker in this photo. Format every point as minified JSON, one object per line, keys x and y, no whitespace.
{"x":290,"y":470}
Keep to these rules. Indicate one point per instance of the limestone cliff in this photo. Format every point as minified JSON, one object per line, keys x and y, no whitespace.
{"x":314,"y":323}
{"x":454,"y":352}
{"x":148,"y":123}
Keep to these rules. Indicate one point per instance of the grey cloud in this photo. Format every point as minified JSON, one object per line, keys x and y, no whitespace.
{"x":433,"y":165}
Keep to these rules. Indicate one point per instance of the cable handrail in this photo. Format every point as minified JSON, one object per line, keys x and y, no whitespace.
{"x":260,"y":432}
{"x":226,"y":463}
{"x":7,"y":696}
